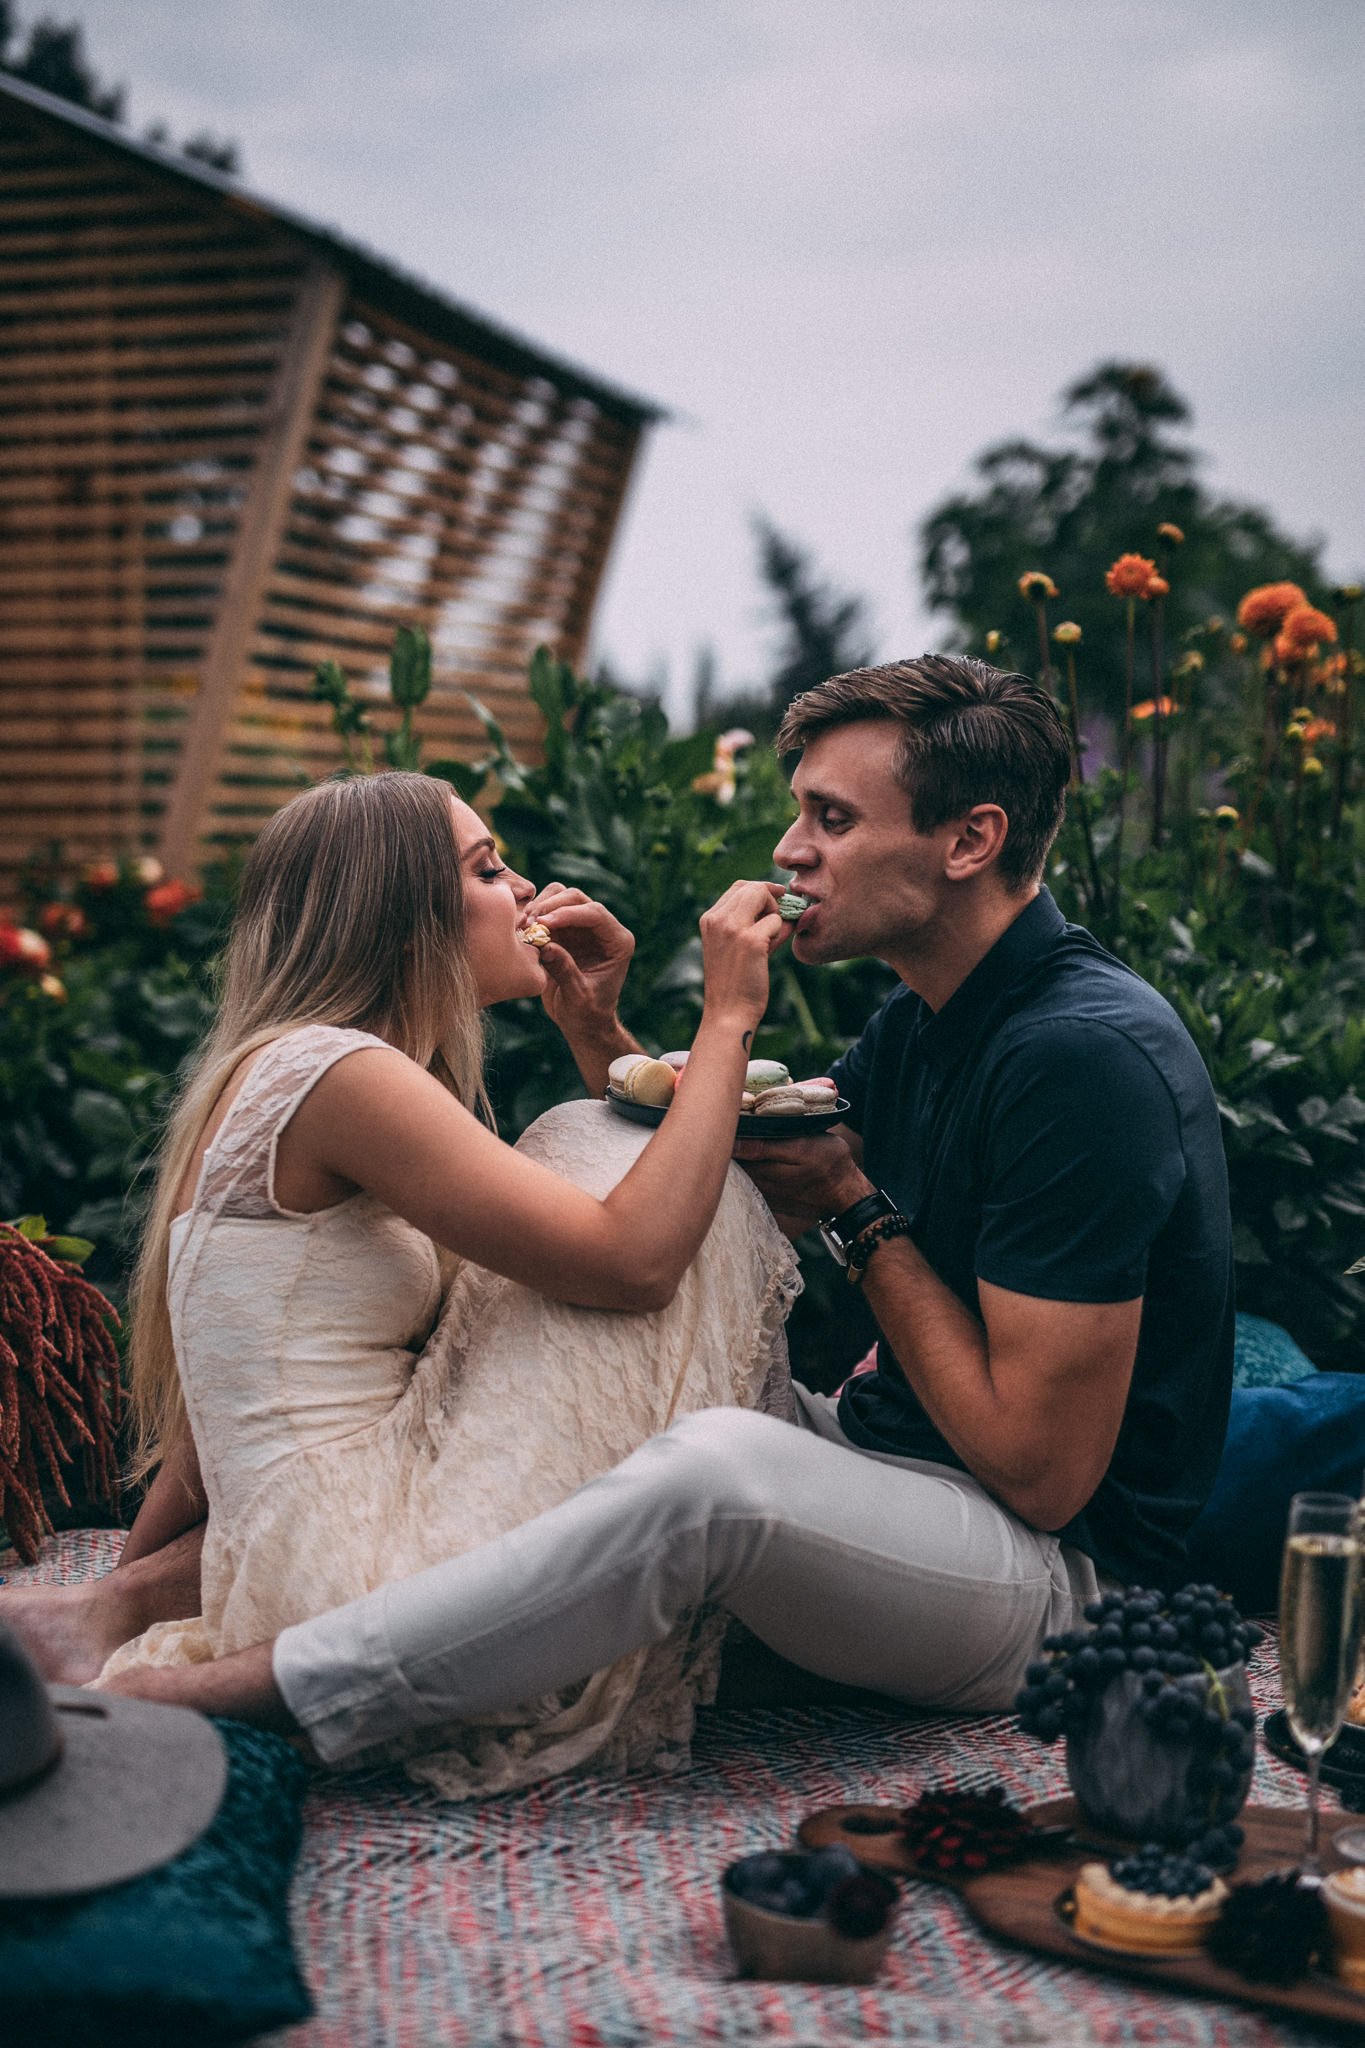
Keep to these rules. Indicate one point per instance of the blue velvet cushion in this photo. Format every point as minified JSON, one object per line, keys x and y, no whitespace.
{"x":1266,"y":1355}
{"x":1281,"y":1440}
{"x":194,"y":1955}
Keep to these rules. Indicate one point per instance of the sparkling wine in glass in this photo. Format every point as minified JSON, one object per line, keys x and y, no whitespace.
{"x":1322,"y":1609}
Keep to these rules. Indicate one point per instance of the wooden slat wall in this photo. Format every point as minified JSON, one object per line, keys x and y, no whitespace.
{"x":140,"y":327}
{"x":440,"y":490}
{"x":143,"y":325}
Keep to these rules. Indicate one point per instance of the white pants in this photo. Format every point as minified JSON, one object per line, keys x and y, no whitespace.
{"x":889,"y":1573}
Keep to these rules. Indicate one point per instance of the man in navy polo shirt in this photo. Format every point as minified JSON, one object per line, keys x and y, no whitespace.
{"x":1059,"y":1320}
{"x":1031,"y":1193}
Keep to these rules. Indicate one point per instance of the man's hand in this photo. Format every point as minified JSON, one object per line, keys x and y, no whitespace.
{"x":586,"y":970}
{"x":803,"y":1179}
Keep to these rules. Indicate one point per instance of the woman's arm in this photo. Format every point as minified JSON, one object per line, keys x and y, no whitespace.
{"x":377,"y":1122}
{"x":174,"y":1502}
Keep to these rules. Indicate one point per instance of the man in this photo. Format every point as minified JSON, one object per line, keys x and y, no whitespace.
{"x":1031,"y":1192}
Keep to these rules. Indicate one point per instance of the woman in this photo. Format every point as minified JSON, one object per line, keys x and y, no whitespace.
{"x":328,"y":1142}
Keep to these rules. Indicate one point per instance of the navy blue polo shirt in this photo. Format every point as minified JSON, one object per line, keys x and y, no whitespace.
{"x":1052,"y":1130}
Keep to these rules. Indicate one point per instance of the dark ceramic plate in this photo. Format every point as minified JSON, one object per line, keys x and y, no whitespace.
{"x":749,"y":1126}
{"x":1342,"y":1766}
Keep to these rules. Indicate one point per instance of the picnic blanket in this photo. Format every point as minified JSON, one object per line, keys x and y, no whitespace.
{"x":584,"y":1913}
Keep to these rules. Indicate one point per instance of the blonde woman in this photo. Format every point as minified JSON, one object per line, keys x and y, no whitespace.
{"x":289,"y":1374}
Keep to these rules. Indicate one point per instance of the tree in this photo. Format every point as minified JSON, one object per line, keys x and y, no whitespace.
{"x":1072,"y":510}
{"x":823,"y":632}
{"x":54,"y":59}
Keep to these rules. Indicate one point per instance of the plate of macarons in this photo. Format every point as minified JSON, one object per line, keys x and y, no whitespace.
{"x":771,"y":1106}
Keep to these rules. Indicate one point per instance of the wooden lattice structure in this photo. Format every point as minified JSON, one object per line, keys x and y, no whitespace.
{"x":231,"y":445}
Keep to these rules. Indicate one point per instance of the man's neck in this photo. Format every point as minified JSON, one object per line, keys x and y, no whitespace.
{"x":936,"y":960}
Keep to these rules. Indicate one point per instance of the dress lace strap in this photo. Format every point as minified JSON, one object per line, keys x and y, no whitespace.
{"x":238,"y":1177}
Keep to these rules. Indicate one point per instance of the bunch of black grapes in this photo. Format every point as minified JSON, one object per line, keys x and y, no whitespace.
{"x":1162,"y":1639}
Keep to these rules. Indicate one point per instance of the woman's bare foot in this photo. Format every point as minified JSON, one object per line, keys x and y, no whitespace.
{"x":67,"y":1630}
{"x":242,"y":1687}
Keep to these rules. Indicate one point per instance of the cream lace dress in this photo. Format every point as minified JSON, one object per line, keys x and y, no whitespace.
{"x":348,"y":1437}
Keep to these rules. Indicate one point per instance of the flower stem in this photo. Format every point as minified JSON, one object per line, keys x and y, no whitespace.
{"x":1125,"y":762}
{"x":1158,"y":726}
{"x":1341,"y":766}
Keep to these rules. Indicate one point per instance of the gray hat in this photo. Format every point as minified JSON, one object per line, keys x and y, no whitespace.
{"x":95,"y":1788}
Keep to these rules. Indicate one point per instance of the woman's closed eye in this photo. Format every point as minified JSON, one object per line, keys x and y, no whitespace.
{"x":491,"y":874}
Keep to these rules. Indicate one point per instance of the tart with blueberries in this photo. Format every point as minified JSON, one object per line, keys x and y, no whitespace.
{"x":1154,"y":1902}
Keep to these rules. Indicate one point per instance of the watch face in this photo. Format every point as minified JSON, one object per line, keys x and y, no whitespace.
{"x":834,"y":1245}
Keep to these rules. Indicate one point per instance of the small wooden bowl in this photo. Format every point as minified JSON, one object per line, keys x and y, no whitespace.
{"x":786,"y":1950}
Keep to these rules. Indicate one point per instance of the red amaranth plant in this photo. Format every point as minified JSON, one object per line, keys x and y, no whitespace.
{"x":59,"y":1382}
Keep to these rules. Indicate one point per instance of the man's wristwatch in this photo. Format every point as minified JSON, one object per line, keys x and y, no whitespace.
{"x":851,"y":1237}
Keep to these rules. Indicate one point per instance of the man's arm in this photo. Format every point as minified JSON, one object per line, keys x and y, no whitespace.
{"x":1030,"y":1398}
{"x":586,"y":967}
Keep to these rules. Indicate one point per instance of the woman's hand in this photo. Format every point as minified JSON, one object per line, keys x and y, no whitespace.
{"x":739,"y":935}
{"x":586,"y":965}
{"x":585,"y":969}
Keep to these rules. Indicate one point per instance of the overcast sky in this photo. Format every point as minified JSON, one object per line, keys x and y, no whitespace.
{"x":850,"y":243}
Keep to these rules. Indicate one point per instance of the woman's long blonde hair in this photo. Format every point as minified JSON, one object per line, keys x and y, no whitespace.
{"x":351,"y":912}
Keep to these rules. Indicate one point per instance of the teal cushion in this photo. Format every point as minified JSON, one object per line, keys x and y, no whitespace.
{"x":1266,"y":1355}
{"x":194,"y":1955}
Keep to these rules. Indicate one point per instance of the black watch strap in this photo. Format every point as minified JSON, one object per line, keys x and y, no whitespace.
{"x":869,"y":1209}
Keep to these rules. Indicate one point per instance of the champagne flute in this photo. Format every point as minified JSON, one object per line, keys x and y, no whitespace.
{"x":1322,"y":1608}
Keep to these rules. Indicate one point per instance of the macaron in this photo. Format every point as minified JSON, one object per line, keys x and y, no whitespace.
{"x":787,"y":1101}
{"x":761,"y":1074}
{"x":791,"y":904}
{"x":819,"y":1095}
{"x":638,"y":1078}
{"x":536,"y":934}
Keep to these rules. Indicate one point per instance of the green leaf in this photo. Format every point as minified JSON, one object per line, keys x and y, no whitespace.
{"x":33,"y":1228}
{"x":1247,"y":1249}
{"x":681,"y":761}
{"x":410,"y":668}
{"x":101,"y":1118}
{"x":466,"y":780}
{"x":76,"y":1249}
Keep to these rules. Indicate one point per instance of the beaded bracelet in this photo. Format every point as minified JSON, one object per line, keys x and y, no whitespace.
{"x":866,"y":1243}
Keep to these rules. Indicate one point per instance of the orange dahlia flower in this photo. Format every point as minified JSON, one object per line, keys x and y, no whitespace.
{"x":1264,"y":610}
{"x":1157,"y":586}
{"x":1129,"y":576}
{"x":1304,"y":626}
{"x":1149,"y":709}
{"x":62,"y":921}
{"x":168,"y":899}
{"x":1169,"y":531}
{"x":1036,"y":584}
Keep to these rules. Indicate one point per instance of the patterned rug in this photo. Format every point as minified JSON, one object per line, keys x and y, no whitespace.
{"x":585,"y":1914}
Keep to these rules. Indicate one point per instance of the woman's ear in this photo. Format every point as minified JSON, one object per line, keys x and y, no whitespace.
{"x":976,"y":842}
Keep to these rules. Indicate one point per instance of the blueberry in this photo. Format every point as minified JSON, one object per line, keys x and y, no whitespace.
{"x":824,"y":1868}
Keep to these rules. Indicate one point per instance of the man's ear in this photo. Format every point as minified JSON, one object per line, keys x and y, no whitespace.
{"x":975,"y":842}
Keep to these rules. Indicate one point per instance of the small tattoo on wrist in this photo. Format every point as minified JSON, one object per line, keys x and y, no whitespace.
{"x":745,"y":1040}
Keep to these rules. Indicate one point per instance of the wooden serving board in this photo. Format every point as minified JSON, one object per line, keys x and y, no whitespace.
{"x":1020,"y":1904}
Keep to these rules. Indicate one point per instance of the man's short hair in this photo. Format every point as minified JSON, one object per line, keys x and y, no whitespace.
{"x":971,"y":734}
